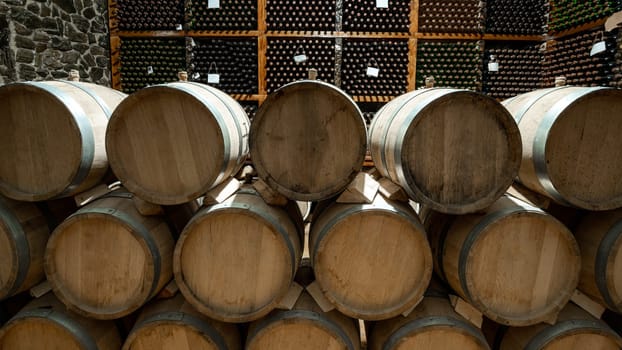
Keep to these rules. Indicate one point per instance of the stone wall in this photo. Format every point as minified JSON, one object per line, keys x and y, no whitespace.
{"x":45,"y":39}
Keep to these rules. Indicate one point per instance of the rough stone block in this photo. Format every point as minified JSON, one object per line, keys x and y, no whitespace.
{"x":24,"y":56}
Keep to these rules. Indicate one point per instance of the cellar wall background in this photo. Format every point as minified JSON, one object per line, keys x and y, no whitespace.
{"x":42,"y":40}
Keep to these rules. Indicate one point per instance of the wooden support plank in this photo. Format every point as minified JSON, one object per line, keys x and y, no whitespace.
{"x":523,"y":193}
{"x":467,"y":310}
{"x":40,"y":289}
{"x":146,"y":208}
{"x":363,"y":334}
{"x":90,"y":195}
{"x":115,"y":62}
{"x":414,"y":17}
{"x":221,"y":192}
{"x":412,"y":64}
{"x":391,"y":190}
{"x":169,"y":291}
{"x":262,"y":46}
{"x":261,"y":16}
{"x":586,"y":303}
{"x":317,"y":294}
{"x":288,"y":301}
{"x":362,"y":189}
{"x":269,"y":195}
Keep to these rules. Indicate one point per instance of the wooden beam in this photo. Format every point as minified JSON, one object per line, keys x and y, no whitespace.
{"x":412,"y":64}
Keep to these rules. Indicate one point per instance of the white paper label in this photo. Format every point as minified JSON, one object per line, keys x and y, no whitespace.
{"x":493,"y":67}
{"x":599,"y":47}
{"x":300,"y":58}
{"x":149,"y":70}
{"x":382,"y":4}
{"x":373,"y":72}
{"x":196,"y":75}
{"x":213,"y":4}
{"x":213,"y":78}
{"x":179,"y":27}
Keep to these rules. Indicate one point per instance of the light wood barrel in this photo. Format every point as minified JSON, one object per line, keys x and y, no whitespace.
{"x":308,"y":140}
{"x":372,"y":261}
{"x":571,"y":140}
{"x":45,"y":323}
{"x":515,"y":263}
{"x":106,"y":260}
{"x":575,"y":329}
{"x":433,"y":325}
{"x":455,"y":151}
{"x":236,"y":260}
{"x":24,"y":233}
{"x":171,"y":143}
{"x":305,"y":327}
{"x":599,"y":235}
{"x":52,"y":138}
{"x":175,"y":324}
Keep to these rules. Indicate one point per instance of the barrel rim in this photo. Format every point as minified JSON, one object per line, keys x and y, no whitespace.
{"x":553,"y":307}
{"x":7,"y":289}
{"x":38,"y":87}
{"x":198,"y":302}
{"x":119,"y":168}
{"x":333,"y":189}
{"x":571,"y":328}
{"x":555,"y":116}
{"x":410,"y":300}
{"x":608,"y":250}
{"x":72,"y":302}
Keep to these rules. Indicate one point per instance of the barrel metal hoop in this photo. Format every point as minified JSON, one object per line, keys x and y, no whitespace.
{"x":102,"y":104}
{"x":203,"y":327}
{"x":402,"y":178}
{"x":432,"y":321}
{"x":552,"y":333}
{"x":22,"y":248}
{"x":527,"y":105}
{"x":392,"y":117}
{"x":542,"y":135}
{"x":86,"y":134}
{"x":221,"y":123}
{"x":279,"y":228}
{"x":601,"y":265}
{"x":307,"y":315}
{"x":79,"y":333}
{"x":141,"y":231}
{"x":475,"y":234}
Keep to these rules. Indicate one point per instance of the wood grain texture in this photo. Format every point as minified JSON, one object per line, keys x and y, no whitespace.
{"x":445,"y":330}
{"x":172,"y":143}
{"x":309,"y":330}
{"x":578,"y":152}
{"x":513,"y":262}
{"x":175,"y":324}
{"x":236,"y":260}
{"x":42,"y":331}
{"x":372,"y":261}
{"x":308,"y":140}
{"x":586,"y":333}
{"x":599,"y":235}
{"x":44,"y":139}
{"x":100,"y":263}
{"x":24,"y":233}
{"x":452,"y":150}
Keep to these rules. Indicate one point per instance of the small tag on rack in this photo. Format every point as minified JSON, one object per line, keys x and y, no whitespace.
{"x":493,"y":67}
{"x":598,"y":47}
{"x":179,"y":27}
{"x":213,"y":78}
{"x":373,"y":72}
{"x":149,"y":70}
{"x":196,"y":75}
{"x":382,"y":4}
{"x":300,"y":58}
{"x":213,"y":4}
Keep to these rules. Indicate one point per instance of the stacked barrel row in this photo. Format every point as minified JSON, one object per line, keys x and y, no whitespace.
{"x":454,"y":152}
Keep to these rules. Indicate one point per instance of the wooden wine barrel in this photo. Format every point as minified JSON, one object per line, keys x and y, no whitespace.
{"x":24,"y":233}
{"x":171,"y":143}
{"x":575,"y":329}
{"x":106,"y":260}
{"x":305,"y":327}
{"x":455,"y":151}
{"x":236,"y":260}
{"x":175,"y":324}
{"x":599,"y":235}
{"x":372,"y":261}
{"x":308,"y":140}
{"x":45,"y":323}
{"x":68,"y":122}
{"x":433,"y":325}
{"x":515,"y":263}
{"x":571,"y":138}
